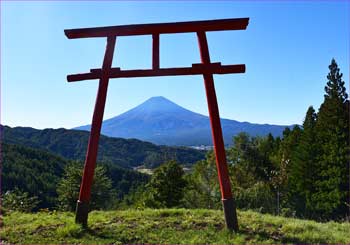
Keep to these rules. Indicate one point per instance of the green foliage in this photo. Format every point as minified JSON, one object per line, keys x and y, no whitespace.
{"x":127,"y":153}
{"x":202,"y":190}
{"x":258,"y":197}
{"x":102,"y":194}
{"x":251,"y":154}
{"x":137,"y":198}
{"x":38,"y":173}
{"x":167,"y":226}
{"x":332,"y":126}
{"x":253,"y":172}
{"x":17,"y":200}
{"x":281,"y":176}
{"x":33,"y":171}
{"x":314,"y":160}
{"x":250,"y":172}
{"x":124,"y":180}
{"x":303,"y":168}
{"x":166,"y":187}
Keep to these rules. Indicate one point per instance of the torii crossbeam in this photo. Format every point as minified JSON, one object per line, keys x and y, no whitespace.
{"x":206,"y":68}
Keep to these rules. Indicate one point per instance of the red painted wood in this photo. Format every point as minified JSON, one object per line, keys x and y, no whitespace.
{"x":160,"y":28}
{"x":91,"y":155}
{"x":218,"y":141}
{"x":155,"y":51}
{"x":196,"y":69}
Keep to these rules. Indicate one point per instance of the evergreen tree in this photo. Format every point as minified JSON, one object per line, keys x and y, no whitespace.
{"x":265,"y":148}
{"x":250,"y":170}
{"x":332,"y":183}
{"x":252,"y":154}
{"x":303,"y":166}
{"x":68,"y":188}
{"x":282,"y":159}
{"x":203,"y":189}
{"x":166,"y":187}
{"x":242,"y":157}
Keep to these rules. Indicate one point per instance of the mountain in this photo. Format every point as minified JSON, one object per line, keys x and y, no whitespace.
{"x":160,"y":121}
{"x":72,"y":144}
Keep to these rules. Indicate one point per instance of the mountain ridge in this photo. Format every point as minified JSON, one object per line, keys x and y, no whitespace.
{"x":161,"y":121}
{"x":72,"y":145}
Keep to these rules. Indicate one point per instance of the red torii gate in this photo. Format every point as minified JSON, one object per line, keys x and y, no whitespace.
{"x":206,"y":68}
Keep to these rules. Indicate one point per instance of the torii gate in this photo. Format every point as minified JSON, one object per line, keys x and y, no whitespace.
{"x":206,"y":68}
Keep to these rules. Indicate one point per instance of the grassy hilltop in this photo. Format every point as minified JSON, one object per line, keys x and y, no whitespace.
{"x":166,"y":226}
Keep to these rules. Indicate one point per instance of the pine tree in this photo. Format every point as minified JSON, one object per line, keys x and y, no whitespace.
{"x":166,"y":187}
{"x":102,"y":194}
{"x":282,"y":159}
{"x":203,"y":189}
{"x":332,"y":126}
{"x":301,"y":177}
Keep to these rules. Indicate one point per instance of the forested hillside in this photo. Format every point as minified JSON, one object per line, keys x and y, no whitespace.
{"x":72,"y":144}
{"x":39,"y":173}
{"x":33,"y":171}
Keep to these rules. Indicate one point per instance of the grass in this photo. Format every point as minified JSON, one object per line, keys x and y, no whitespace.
{"x":170,"y":226}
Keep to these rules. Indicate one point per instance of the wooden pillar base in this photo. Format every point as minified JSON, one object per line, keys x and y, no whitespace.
{"x":230,"y":214}
{"x":81,"y":213}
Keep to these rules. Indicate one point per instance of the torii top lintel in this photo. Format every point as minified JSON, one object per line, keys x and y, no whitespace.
{"x":111,"y":32}
{"x":160,"y":28}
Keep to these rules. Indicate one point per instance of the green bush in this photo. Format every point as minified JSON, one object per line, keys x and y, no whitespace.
{"x":259,"y":197}
{"x":166,"y":187}
{"x":202,"y":190}
{"x":17,"y":200}
{"x":102,"y":194}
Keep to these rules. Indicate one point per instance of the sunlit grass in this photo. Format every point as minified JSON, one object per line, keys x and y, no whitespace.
{"x":168,"y":226}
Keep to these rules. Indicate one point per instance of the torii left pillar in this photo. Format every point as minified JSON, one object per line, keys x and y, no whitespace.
{"x":82,"y":208}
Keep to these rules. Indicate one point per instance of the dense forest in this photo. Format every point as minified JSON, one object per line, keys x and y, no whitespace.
{"x":37,"y":173}
{"x":71,"y":144}
{"x":305,"y":173}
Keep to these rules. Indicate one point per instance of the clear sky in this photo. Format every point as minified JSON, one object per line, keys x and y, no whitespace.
{"x":287,"y":48}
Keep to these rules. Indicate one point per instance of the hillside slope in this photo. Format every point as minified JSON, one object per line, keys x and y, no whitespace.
{"x":161,"y":121}
{"x":72,"y":144}
{"x":38,"y":173}
{"x":166,"y":226}
{"x":34,"y":171}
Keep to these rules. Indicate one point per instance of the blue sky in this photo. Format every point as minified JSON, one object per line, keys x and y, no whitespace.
{"x":287,"y":48}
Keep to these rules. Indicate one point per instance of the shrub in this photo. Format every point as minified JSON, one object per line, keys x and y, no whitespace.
{"x":17,"y":200}
{"x":102,"y":195}
{"x":259,"y":197}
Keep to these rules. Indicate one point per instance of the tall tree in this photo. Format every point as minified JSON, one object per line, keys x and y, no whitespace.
{"x":166,"y":187}
{"x":331,"y":186}
{"x":250,"y":169}
{"x":203,"y":189}
{"x":243,"y":158}
{"x":282,"y":159}
{"x":303,"y":166}
{"x":253,"y":155}
{"x":102,"y":194}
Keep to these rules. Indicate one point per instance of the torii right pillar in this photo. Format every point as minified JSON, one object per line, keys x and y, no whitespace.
{"x":219,"y":148}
